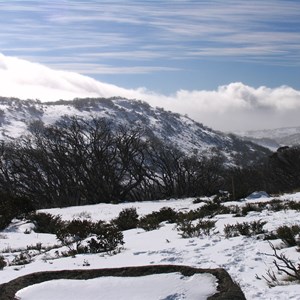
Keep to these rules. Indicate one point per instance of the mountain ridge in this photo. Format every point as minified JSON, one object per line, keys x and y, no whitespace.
{"x":273,"y":138}
{"x":17,"y":117}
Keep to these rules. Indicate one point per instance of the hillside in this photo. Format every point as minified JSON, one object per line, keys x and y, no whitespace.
{"x":273,"y":138}
{"x":17,"y":117}
{"x":244,"y":253}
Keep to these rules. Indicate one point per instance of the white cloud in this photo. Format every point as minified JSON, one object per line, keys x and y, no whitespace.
{"x":232,"y":106}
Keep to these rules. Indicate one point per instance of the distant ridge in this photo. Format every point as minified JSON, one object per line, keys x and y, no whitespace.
{"x":18,"y":116}
{"x":273,"y":138}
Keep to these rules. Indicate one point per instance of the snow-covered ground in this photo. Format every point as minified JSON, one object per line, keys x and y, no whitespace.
{"x":160,"y":286}
{"x":246,"y":259}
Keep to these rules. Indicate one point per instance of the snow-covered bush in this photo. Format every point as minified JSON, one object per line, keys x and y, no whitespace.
{"x":128,"y":218}
{"x":45,"y":223}
{"x":251,"y":207}
{"x":188,"y":229}
{"x":149,"y":222}
{"x":289,"y":234}
{"x":107,"y":238}
{"x":152,"y":221}
{"x":23,"y":258}
{"x":74,"y":232}
{"x":245,"y":228}
{"x":167,"y":214}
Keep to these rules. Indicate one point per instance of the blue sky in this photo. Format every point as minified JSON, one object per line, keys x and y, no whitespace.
{"x":164,"y":46}
{"x":231,"y":65}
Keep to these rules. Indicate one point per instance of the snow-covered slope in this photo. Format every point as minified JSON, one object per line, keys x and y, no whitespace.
{"x":16,"y":117}
{"x":273,"y":138}
{"x":246,"y":258}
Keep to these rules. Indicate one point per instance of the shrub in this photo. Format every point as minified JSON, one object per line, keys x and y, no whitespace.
{"x":74,"y":232}
{"x":108,"y":238}
{"x":230,"y":231}
{"x":152,"y":220}
{"x":250,"y":207}
{"x":276,"y":205}
{"x":256,"y":227}
{"x":189,"y":230}
{"x":2,"y":262}
{"x":209,"y":209}
{"x":127,"y":219}
{"x":23,"y":258}
{"x":149,"y":222}
{"x":45,"y":223}
{"x":294,"y":205}
{"x":288,"y":234}
{"x":197,"y":200}
{"x":166,"y":214}
{"x":245,"y":228}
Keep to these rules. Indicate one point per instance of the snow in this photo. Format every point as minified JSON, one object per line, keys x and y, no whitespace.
{"x":161,"y":286}
{"x":246,"y":259}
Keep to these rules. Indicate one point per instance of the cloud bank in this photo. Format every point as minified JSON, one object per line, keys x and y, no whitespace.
{"x":235,"y":106}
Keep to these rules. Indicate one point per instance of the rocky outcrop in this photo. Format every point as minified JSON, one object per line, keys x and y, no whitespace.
{"x":227,"y":289}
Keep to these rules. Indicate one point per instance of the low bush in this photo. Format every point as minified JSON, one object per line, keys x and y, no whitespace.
{"x":256,"y":227}
{"x":250,"y":207}
{"x":23,"y":258}
{"x":152,"y":221}
{"x":166,"y":214}
{"x":275,"y":205}
{"x":104,"y":237}
{"x":74,"y":232}
{"x":289,"y":234}
{"x":188,"y":229}
{"x":128,"y":219}
{"x":245,"y":228}
{"x":45,"y":223}
{"x":294,"y":205}
{"x":149,"y":222}
{"x":108,"y":238}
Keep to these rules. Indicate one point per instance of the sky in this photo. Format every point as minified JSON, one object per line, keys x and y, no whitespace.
{"x":229,"y":64}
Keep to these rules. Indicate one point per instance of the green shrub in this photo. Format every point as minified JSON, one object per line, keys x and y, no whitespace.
{"x":230,"y":231}
{"x":45,"y":223}
{"x":188,"y":229}
{"x":288,"y":234}
{"x":149,"y":222}
{"x":209,"y":209}
{"x":127,"y":219}
{"x":198,"y":200}
{"x":74,"y":232}
{"x":166,"y":214}
{"x":108,"y":238}
{"x":23,"y":258}
{"x":251,"y":207}
{"x":256,"y":227}
{"x":294,"y":205}
{"x":276,"y":205}
{"x":245,"y":228}
{"x":152,"y":221}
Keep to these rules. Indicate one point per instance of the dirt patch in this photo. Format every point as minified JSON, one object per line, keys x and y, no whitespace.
{"x":227,"y":289}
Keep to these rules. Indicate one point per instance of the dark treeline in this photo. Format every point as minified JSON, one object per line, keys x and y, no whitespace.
{"x":78,"y":162}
